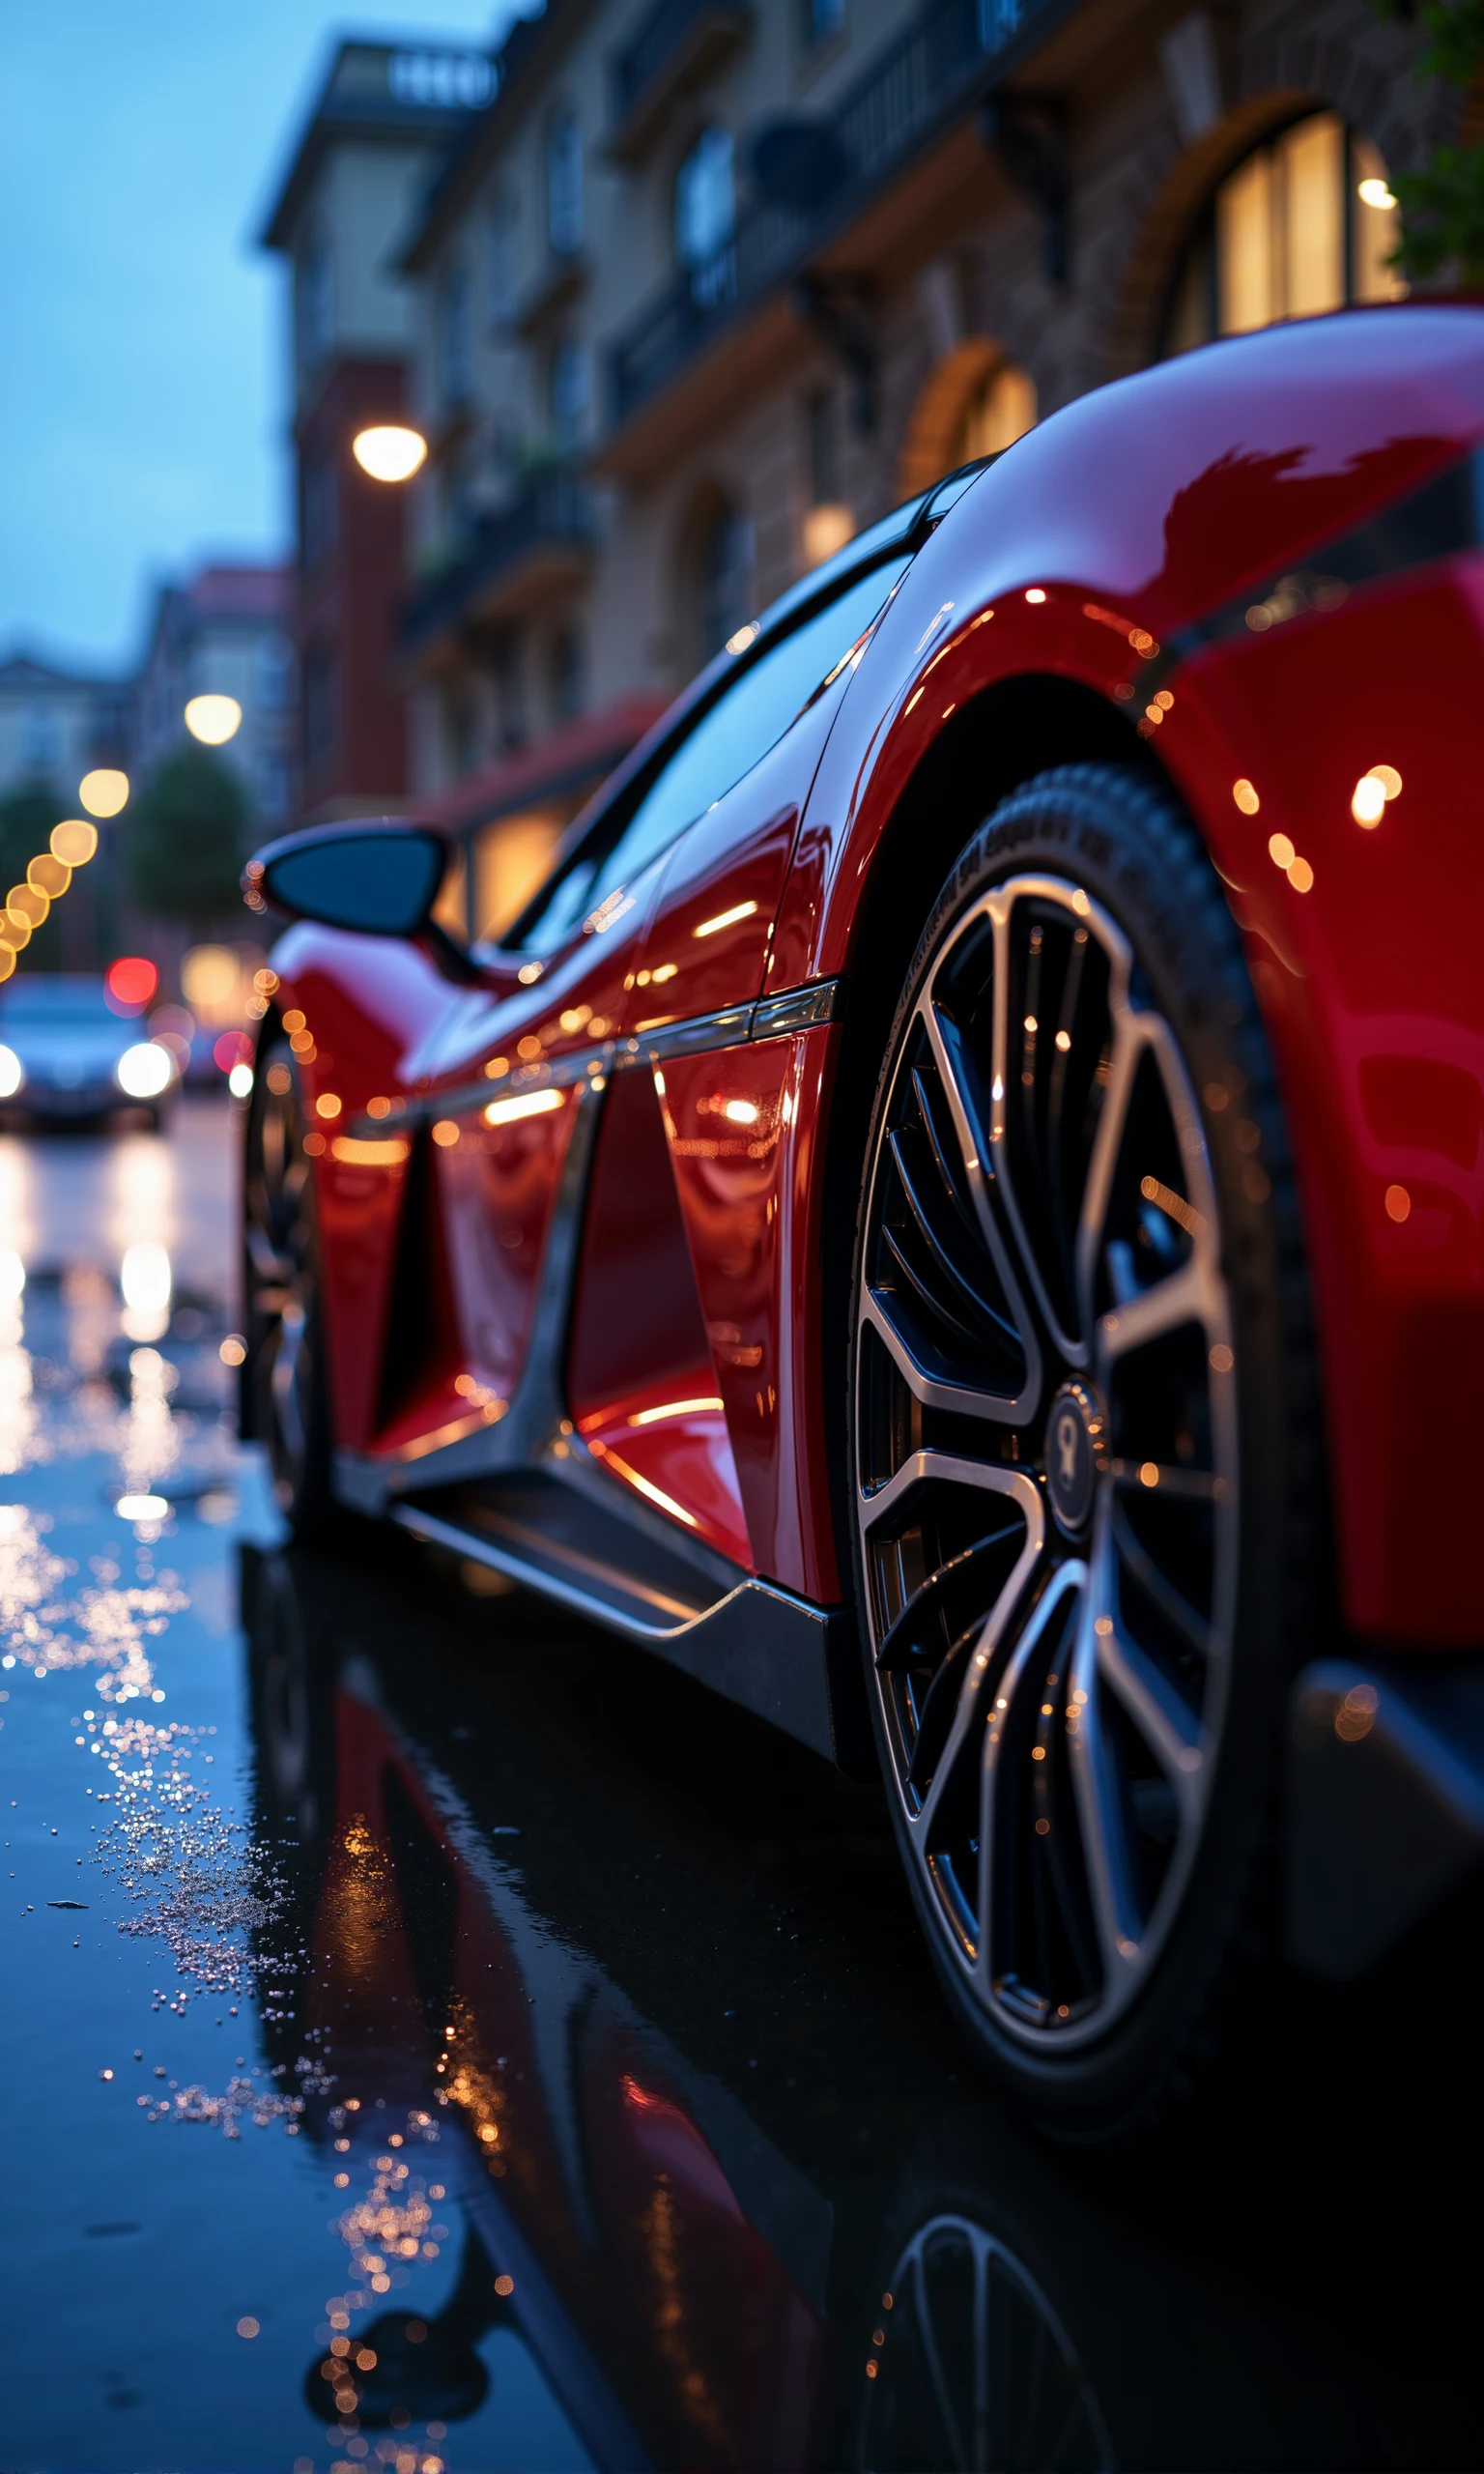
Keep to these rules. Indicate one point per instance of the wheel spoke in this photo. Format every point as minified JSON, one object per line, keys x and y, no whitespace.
{"x":1130,"y":1041}
{"x":1099,"y":1809}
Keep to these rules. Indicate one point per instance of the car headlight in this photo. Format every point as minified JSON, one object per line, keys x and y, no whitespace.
{"x":144,"y":1070}
{"x":12,"y":1073}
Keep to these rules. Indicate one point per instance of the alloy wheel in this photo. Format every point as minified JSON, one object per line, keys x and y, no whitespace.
{"x":1047,"y":1460}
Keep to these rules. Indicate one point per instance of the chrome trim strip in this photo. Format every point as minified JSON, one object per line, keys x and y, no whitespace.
{"x":771,"y":1018}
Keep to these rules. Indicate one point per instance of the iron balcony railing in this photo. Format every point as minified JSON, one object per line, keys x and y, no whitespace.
{"x":814,"y":177}
{"x":660,"y":35}
{"x":553,"y":511}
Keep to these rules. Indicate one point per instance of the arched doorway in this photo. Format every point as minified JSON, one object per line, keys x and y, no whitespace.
{"x":977,"y":401}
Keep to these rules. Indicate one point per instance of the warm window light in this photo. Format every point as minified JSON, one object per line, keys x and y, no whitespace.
{"x":826,"y":530}
{"x":104,"y":792}
{"x":74,"y":840}
{"x":213,"y":719}
{"x":389,"y":453}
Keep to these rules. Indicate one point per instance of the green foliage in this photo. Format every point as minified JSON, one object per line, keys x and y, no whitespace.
{"x":26,"y":819}
{"x":1455,"y":32}
{"x":1442,"y":215}
{"x":187,"y":840}
{"x":1443,"y":205}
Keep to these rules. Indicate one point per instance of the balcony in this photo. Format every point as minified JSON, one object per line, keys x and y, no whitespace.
{"x":810,"y":178}
{"x":535,"y":548}
{"x":678,"y":46}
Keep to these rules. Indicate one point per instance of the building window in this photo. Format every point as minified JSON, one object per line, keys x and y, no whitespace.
{"x":322,"y":720}
{"x":315,"y":298}
{"x":724,"y":578}
{"x":43,"y":741}
{"x":705,"y":215}
{"x":1305,"y":224}
{"x":1001,"y":410}
{"x":456,"y":334}
{"x":828,"y":522}
{"x":462,"y":732}
{"x":821,"y":21}
{"x":318,"y":532}
{"x":499,"y":261}
{"x":569,"y":395}
{"x":274,"y":786}
{"x":275,"y":674}
{"x":564,"y":185}
{"x":568,"y":675}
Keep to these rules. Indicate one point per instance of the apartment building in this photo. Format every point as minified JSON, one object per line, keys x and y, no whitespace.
{"x":706,"y":286}
{"x":56,"y":724}
{"x":225,"y":632}
{"x":382,"y":122}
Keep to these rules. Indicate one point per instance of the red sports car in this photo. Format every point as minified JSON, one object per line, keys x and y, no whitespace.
{"x":954,"y":1214}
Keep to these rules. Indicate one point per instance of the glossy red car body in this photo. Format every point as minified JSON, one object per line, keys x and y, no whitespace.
{"x":1168,"y":538}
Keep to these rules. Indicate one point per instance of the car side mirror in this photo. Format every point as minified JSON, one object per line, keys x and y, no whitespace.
{"x":380,"y":879}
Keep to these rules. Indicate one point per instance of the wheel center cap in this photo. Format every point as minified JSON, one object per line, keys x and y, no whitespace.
{"x":1076,"y":1448}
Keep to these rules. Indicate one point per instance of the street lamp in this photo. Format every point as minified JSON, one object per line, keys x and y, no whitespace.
{"x":389,"y":452}
{"x":213,"y":719}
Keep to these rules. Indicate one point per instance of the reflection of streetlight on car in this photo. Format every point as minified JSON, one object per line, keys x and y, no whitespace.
{"x":213,"y":719}
{"x":389,"y":452}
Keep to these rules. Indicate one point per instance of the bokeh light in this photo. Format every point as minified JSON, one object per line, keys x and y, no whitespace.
{"x":74,"y":841}
{"x":129,"y":983}
{"x":104,"y":792}
{"x":213,"y":719}
{"x":389,"y":452}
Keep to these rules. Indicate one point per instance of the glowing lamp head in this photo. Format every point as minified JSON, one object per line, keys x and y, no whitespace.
{"x":213,"y":719}
{"x":11,"y":1073}
{"x":389,"y":452}
{"x":144,"y":1070}
{"x":129,"y":983}
{"x":104,"y":792}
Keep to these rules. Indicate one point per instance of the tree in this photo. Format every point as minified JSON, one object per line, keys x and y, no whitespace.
{"x":26,"y":819}
{"x":186,"y":839}
{"x":1442,"y":204}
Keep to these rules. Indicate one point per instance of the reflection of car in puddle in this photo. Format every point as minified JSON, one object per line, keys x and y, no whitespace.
{"x":663,"y":2261}
{"x":973,"y":2366}
{"x":683,"y":2258}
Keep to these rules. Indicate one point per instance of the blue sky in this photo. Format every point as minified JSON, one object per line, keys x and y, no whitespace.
{"x":142,"y":379}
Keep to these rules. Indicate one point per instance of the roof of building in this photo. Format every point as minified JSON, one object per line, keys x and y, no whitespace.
{"x":240,"y":592}
{"x":519,"y":56}
{"x":560,"y":762}
{"x":23,"y":670}
{"x":379,"y":92}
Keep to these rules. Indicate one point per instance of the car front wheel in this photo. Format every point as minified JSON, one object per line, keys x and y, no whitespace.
{"x":1084,"y":1471}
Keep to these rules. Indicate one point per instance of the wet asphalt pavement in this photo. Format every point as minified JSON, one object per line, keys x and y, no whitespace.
{"x":434,"y":2036}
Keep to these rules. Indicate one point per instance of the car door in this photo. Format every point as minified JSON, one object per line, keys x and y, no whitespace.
{"x":506,"y":1085}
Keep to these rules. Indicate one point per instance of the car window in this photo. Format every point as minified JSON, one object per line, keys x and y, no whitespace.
{"x":728,"y":740}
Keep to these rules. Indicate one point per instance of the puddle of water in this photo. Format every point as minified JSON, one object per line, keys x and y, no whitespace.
{"x":436,"y":2040}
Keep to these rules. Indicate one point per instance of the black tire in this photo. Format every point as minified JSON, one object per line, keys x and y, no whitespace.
{"x":1084,"y":1457}
{"x":284,"y":1395}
